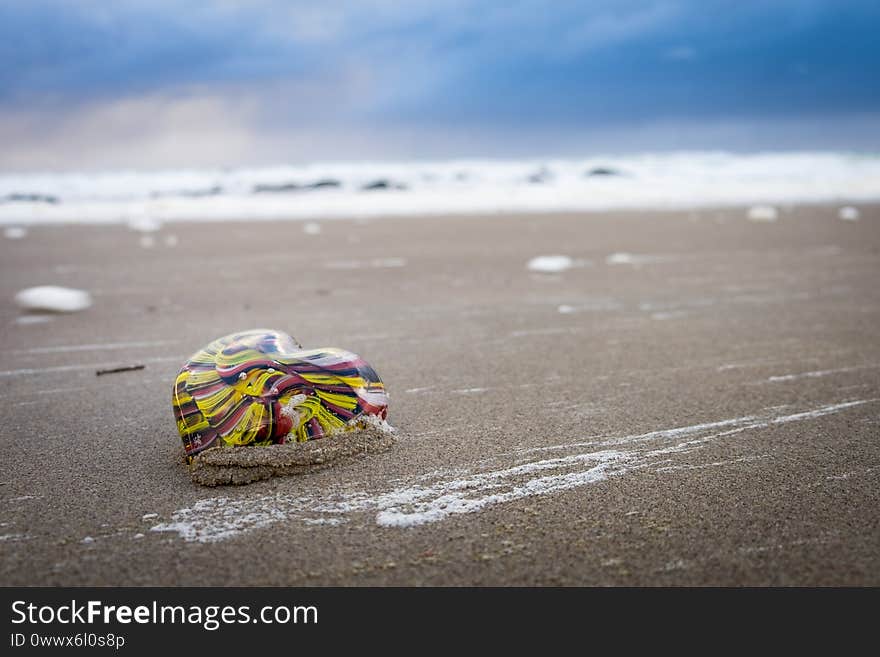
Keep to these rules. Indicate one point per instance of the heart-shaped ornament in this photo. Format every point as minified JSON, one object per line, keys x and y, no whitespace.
{"x":259,"y":387}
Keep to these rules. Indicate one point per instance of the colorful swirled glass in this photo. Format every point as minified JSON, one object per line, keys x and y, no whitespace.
{"x":259,"y":387}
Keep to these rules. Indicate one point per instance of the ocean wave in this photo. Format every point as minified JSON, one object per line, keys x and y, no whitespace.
{"x":665,"y":180}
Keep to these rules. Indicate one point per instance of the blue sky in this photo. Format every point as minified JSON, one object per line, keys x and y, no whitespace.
{"x":154,"y":84}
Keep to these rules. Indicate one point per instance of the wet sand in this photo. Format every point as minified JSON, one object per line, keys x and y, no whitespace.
{"x":702,"y":411}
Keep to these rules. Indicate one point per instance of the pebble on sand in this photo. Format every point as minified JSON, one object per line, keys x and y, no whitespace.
{"x":312,"y":228}
{"x":14,"y":232}
{"x":53,"y":298}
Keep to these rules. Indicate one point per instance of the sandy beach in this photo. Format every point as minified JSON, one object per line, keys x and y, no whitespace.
{"x":695,"y":400}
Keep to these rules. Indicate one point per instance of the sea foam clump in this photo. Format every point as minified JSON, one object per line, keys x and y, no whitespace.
{"x":848,"y":213}
{"x":53,"y":298}
{"x":550,"y":264}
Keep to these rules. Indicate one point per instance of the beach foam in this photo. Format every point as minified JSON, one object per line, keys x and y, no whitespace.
{"x":145,"y":200}
{"x":53,"y":298}
{"x":848,"y":213}
{"x":550,"y":264}
{"x":437,"y":496}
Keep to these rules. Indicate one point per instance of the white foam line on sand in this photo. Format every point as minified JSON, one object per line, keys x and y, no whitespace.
{"x":817,"y":373}
{"x":651,"y":435}
{"x":96,"y":366}
{"x":751,"y":363}
{"x":766,"y":423}
{"x":746,"y":422}
{"x":819,"y":412}
{"x":714,"y":464}
{"x":847,"y":475}
{"x":220,"y":518}
{"x":92,"y":347}
{"x":444,"y":503}
{"x":407,"y":507}
{"x":216,"y":519}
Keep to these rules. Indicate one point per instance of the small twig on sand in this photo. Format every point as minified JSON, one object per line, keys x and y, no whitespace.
{"x":127,"y":368}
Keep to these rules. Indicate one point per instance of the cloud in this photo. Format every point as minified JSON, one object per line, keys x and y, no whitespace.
{"x":92,"y":48}
{"x":150,"y":83}
{"x":149,"y":130}
{"x":201,"y":129}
